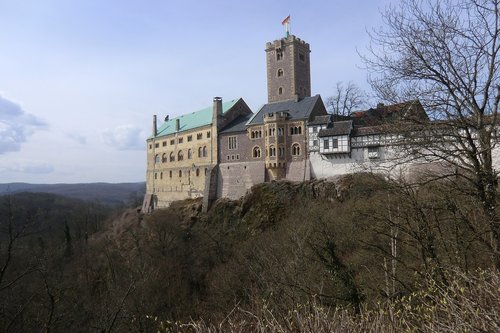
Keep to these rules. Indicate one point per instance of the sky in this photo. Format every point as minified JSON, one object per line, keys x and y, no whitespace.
{"x":80,"y":80}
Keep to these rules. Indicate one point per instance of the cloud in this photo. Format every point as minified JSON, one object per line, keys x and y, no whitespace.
{"x":77,"y":138}
{"x":16,"y":126}
{"x":124,"y":137}
{"x":32,"y":167}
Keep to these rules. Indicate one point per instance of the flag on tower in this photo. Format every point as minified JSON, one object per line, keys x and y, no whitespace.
{"x":286,"y":23}
{"x":286,"y":20}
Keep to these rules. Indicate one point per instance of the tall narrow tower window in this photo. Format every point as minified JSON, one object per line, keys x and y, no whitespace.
{"x":280,"y":72}
{"x":280,"y":91}
{"x":279,"y":54}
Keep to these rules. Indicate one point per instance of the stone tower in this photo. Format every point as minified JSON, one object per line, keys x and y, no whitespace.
{"x":288,"y":69}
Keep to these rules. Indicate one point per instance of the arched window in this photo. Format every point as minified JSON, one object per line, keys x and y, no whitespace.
{"x":280,"y":72}
{"x":170,"y":174}
{"x":172,"y":157}
{"x":190,"y":154}
{"x":205,"y":152}
{"x":157,"y":158}
{"x":164,"y":158}
{"x":281,"y":151}
{"x":252,"y":135}
{"x":295,"y":149}
{"x":197,"y":172}
{"x":272,"y":151}
{"x":206,"y":170}
{"x":300,"y":130}
{"x":200,"y":152}
{"x":256,"y":152}
{"x":161,"y":175}
{"x":280,"y":91}
{"x":180,"y":173}
{"x":180,"y":156}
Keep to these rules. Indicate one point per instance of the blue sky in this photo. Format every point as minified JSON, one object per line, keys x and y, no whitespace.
{"x":81,"y":79}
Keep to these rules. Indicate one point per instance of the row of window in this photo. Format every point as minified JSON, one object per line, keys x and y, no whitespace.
{"x":256,"y":152}
{"x":202,"y":152}
{"x":180,"y":173}
{"x":279,"y":55}
{"x":180,"y":140}
{"x":271,"y":132}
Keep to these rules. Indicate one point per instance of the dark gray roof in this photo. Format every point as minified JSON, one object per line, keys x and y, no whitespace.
{"x":237,"y":125}
{"x":338,"y":128}
{"x":320,"y":120}
{"x":297,"y":110}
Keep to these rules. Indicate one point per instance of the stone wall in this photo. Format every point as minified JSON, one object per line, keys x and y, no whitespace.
{"x":236,"y":178}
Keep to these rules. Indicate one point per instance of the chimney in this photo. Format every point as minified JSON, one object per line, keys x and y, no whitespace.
{"x":217,"y":112}
{"x":155,"y":128}
{"x":177,"y":124}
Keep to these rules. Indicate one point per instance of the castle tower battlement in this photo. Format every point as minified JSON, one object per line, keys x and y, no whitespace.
{"x":288,"y":69}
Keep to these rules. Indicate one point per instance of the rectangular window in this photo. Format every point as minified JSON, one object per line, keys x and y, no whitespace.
{"x":190,"y":138}
{"x":208,"y":135}
{"x":315,"y":143}
{"x":335,"y":143}
{"x":315,"y":129}
{"x":157,"y":145}
{"x":172,"y":142}
{"x":373,"y":152}
{"x":164,"y":143}
{"x":232,"y":143}
{"x":302,"y":57}
{"x":325,"y":144}
{"x":181,"y":140}
{"x":199,"y":136}
{"x":150,"y":146}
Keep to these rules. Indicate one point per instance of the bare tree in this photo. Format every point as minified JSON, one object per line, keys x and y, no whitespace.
{"x":347,"y":98}
{"x":446,"y":54}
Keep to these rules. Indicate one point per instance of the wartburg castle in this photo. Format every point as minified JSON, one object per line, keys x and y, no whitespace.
{"x":225,"y":149}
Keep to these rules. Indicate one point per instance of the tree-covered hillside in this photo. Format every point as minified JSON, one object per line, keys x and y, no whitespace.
{"x":288,"y":256}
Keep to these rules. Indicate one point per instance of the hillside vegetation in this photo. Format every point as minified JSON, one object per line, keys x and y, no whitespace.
{"x":359,"y":254}
{"x":119,"y":194}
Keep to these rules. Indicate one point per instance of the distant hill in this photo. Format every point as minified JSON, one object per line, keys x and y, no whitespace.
{"x":106,"y":193}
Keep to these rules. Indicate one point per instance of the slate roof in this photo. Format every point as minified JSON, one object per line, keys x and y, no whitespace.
{"x":297,"y":110}
{"x":338,"y":128}
{"x":320,"y":120}
{"x":237,"y":125}
{"x":193,"y":120}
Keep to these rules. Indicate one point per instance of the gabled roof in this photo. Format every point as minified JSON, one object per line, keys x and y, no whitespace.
{"x":193,"y":120}
{"x":338,"y":128}
{"x":237,"y":125}
{"x":387,"y":113}
{"x":297,"y":110}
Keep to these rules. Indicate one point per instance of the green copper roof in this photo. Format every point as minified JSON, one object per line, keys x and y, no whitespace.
{"x":193,"y":120}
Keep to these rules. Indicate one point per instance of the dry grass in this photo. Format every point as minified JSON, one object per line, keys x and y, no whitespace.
{"x":470,"y":303}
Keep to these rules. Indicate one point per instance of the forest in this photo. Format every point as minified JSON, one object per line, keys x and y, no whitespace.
{"x":358,"y":254}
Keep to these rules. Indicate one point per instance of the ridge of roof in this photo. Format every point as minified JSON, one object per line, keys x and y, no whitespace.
{"x":192,"y":120}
